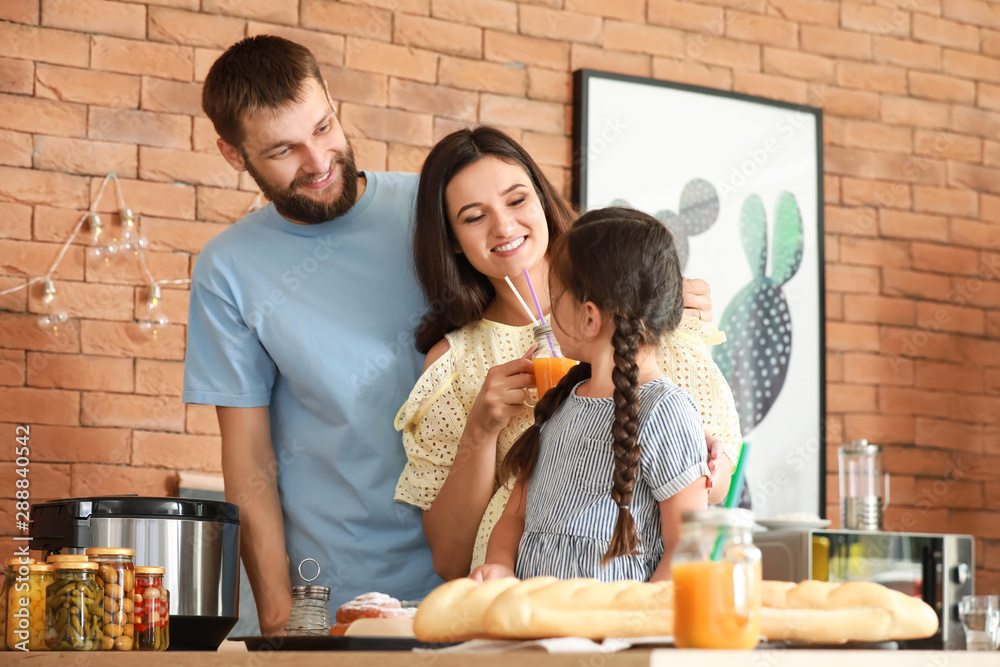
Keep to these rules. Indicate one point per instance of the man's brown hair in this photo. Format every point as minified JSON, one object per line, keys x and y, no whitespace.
{"x":258,"y":74}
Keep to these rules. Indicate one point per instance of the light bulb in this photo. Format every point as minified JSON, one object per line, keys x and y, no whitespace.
{"x":96,"y":227}
{"x":49,"y":291}
{"x":152,"y":317}
{"x":54,"y":323}
{"x":52,"y":319}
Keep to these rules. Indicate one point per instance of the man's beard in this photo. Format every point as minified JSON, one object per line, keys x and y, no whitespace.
{"x":296,"y":206}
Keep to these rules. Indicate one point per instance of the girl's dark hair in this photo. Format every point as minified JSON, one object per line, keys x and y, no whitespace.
{"x":457,"y":292}
{"x":625,"y":262}
{"x":258,"y":74}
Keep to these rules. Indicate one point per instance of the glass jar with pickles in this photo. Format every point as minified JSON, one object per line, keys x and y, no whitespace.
{"x":26,"y":609}
{"x":152,"y":610}
{"x":11,"y":565}
{"x":74,"y":609}
{"x":116,"y":574}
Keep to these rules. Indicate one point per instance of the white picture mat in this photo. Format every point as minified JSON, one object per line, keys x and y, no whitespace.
{"x":643,"y":144}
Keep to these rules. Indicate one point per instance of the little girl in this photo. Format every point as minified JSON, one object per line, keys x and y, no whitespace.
{"x":617,"y":451}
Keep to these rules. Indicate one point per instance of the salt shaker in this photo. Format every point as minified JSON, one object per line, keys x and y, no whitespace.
{"x":310,"y":614}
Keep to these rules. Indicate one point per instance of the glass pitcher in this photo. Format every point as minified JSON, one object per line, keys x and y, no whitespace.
{"x":864,"y":486}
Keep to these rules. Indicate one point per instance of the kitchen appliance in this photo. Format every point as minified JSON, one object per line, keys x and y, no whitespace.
{"x":864,"y":488}
{"x":939,"y":569}
{"x":197,"y":541}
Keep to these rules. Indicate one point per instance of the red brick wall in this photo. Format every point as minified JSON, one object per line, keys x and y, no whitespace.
{"x":911,"y":95}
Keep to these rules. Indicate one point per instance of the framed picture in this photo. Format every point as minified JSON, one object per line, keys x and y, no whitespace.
{"x":739,"y":181}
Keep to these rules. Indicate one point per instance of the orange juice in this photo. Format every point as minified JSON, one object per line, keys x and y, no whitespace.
{"x":716,"y":604}
{"x":549,"y":370}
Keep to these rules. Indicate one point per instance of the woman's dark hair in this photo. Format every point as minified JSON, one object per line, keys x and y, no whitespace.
{"x":258,"y":74}
{"x":625,"y":262}
{"x":457,"y":292}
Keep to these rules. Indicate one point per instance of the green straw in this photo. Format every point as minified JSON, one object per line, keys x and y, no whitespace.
{"x":733,"y":497}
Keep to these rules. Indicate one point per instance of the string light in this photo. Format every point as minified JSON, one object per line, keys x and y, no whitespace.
{"x":52,"y":319}
{"x":151,"y":317}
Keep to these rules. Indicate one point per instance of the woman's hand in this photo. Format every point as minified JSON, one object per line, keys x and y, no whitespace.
{"x":698,"y":299}
{"x":489,"y":571}
{"x":502,"y":395}
{"x":714,"y":452}
{"x":720,"y":471}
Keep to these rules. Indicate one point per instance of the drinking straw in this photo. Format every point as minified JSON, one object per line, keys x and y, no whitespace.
{"x":534,"y":296}
{"x":521,"y":301}
{"x":733,"y":497}
{"x":541,"y":316}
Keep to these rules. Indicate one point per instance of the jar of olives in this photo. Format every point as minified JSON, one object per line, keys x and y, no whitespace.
{"x":10,"y":571}
{"x":26,"y":609}
{"x":116,"y":574}
{"x":74,"y":609}
{"x":152,"y":610}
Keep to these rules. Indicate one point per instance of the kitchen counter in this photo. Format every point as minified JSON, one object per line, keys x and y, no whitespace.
{"x":631,"y":658}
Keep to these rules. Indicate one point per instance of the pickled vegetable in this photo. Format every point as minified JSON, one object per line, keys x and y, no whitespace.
{"x":151,"y":604}
{"x":74,"y":611}
{"x":116,"y":574}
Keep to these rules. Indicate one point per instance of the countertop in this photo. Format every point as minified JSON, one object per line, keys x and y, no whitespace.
{"x":631,"y":658}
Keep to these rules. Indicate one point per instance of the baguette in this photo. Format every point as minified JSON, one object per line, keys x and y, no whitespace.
{"x":812,"y":611}
{"x":582,"y":608}
{"x":453,"y":612}
{"x":823,"y":612}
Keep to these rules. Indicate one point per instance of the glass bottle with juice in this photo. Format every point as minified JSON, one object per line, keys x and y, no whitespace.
{"x":717,"y":581}
{"x":550,"y":365}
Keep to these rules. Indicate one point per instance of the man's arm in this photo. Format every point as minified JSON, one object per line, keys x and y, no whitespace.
{"x":249,"y":469}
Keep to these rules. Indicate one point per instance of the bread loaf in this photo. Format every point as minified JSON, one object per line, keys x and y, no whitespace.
{"x":812,"y":611}
{"x":453,"y":612}
{"x":823,"y":612}
{"x":582,"y":608}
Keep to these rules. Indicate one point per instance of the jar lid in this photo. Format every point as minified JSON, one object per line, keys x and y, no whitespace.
{"x":311,"y":592}
{"x":67,"y":558}
{"x":110,"y":551}
{"x":734,"y":517}
{"x":41,"y":567}
{"x":16,"y":560}
{"x":149,"y":569}
{"x":861,"y":446}
{"x":75,"y":565}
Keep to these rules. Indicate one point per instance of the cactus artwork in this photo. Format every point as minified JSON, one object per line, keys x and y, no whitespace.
{"x":697,"y":211}
{"x":757,"y":322}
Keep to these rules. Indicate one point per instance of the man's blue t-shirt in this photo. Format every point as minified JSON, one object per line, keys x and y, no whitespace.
{"x":317,"y":321}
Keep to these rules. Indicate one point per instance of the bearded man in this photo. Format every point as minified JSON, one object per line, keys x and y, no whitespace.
{"x":301,"y":333}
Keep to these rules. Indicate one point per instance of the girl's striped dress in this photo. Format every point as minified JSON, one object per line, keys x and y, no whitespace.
{"x":570,"y":516}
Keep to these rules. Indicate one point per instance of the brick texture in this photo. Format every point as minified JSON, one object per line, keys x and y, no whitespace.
{"x":911,"y":101}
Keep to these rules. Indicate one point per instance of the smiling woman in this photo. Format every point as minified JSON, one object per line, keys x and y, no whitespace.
{"x":485,"y":212}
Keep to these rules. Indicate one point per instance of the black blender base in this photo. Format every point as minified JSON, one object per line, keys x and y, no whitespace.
{"x":199,"y":633}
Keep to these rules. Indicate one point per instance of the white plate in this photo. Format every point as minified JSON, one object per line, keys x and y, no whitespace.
{"x":793,"y":524}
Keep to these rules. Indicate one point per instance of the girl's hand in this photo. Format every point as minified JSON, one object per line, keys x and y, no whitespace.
{"x":489,"y":571}
{"x":503,"y":394}
{"x":714,"y":452}
{"x":698,"y":299}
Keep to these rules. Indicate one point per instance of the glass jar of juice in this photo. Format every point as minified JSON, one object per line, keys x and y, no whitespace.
{"x":717,"y":580}
{"x":550,"y":365}
{"x":116,"y":575}
{"x":10,"y":572}
{"x":26,"y":608}
{"x":152,"y":609}
{"x":74,"y":608}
